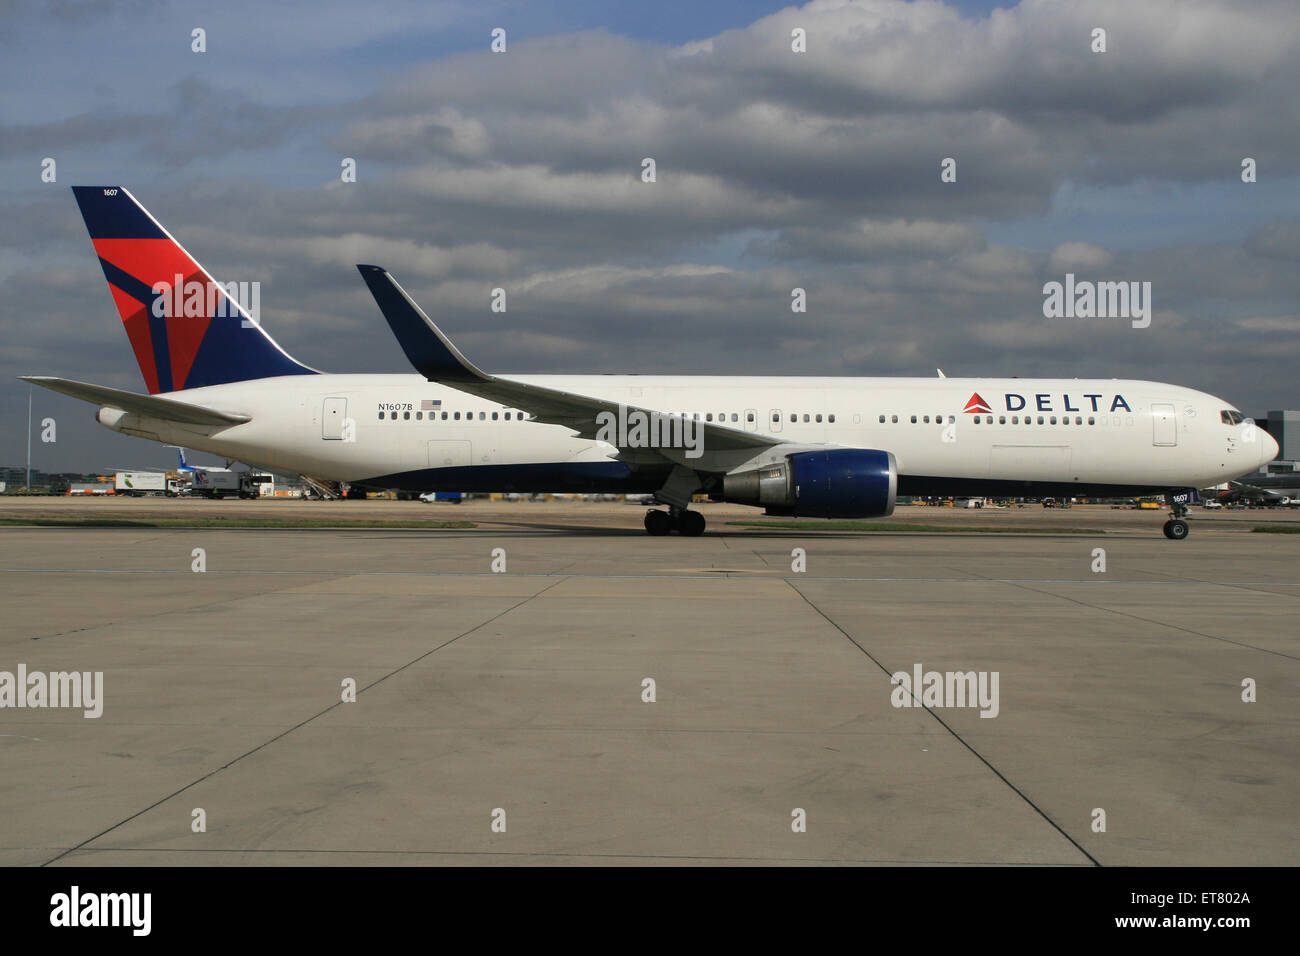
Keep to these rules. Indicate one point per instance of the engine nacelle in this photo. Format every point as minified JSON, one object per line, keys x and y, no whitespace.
{"x":832,"y":483}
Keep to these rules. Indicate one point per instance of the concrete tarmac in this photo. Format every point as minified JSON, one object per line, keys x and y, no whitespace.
{"x":484,"y":696}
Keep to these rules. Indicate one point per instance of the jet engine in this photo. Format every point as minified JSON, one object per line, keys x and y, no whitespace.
{"x":830,"y":483}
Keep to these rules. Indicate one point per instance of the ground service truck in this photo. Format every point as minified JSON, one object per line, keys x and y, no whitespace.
{"x":229,"y":484}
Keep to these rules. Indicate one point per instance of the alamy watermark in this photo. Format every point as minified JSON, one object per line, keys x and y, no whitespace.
{"x":75,"y":689}
{"x":640,"y":429}
{"x":1098,"y":300}
{"x":946,"y":689}
{"x":211,"y":299}
{"x":75,"y":908}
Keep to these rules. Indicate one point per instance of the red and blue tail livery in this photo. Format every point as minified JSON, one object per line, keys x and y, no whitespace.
{"x":186,"y":329}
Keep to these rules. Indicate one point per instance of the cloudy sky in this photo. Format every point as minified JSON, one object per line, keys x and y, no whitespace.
{"x":775,"y":169}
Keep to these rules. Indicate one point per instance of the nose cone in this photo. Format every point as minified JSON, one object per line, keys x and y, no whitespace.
{"x":1268,"y":448}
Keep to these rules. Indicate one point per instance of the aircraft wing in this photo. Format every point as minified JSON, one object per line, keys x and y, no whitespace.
{"x":1256,"y":489}
{"x":152,"y":406}
{"x":437,"y":359}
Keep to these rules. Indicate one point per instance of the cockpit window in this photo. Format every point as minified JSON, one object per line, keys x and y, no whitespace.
{"x":1229,"y":417}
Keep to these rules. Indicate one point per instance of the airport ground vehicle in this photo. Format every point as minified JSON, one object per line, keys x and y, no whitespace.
{"x":455,"y":497}
{"x":232,"y":484}
{"x":140,"y":483}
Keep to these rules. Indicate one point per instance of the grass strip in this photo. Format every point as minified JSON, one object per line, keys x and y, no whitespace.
{"x":219,"y":521}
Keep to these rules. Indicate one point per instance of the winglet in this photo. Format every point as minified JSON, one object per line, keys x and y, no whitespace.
{"x":429,"y":350}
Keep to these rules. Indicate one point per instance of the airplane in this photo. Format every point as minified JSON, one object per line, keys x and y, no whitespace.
{"x":1267,"y":490}
{"x":183,"y":465}
{"x":804,"y":446}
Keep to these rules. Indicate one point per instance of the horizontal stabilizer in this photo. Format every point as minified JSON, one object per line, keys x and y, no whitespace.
{"x":150,"y":405}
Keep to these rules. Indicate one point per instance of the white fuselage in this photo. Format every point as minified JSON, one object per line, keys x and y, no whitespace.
{"x":425,"y":436}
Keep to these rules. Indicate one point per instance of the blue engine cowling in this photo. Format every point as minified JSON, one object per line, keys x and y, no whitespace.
{"x":843,"y":483}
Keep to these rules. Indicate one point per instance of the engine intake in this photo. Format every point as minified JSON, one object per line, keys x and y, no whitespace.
{"x":834,"y":483}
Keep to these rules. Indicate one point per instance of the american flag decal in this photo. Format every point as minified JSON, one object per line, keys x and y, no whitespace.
{"x":429,"y":404}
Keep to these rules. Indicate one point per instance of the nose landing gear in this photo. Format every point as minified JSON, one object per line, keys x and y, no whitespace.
{"x":1176,"y":528}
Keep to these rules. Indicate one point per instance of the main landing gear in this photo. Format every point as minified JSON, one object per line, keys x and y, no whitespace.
{"x":1176,"y":527}
{"x":688,"y":523}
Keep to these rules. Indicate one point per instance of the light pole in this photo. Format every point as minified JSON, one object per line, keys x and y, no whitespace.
{"x":28,"y":485}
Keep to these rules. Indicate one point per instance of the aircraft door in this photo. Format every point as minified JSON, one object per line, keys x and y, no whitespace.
{"x":774,"y":420}
{"x":751,"y":419}
{"x":1165,"y":424}
{"x":332,"y":417}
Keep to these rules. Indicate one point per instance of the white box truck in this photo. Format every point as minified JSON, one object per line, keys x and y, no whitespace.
{"x":229,"y":484}
{"x":140,"y":483}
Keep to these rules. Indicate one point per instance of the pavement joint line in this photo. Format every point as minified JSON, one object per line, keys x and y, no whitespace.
{"x":183,"y":609}
{"x":1024,"y":585}
{"x":956,"y":736}
{"x":848,"y":735}
{"x":1147,"y":620}
{"x":285,"y":733}
{"x":1255,"y":588}
{"x":710,"y":576}
{"x":599,"y":856}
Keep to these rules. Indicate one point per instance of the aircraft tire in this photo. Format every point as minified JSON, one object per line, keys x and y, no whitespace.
{"x":658,"y":522}
{"x":690,"y":524}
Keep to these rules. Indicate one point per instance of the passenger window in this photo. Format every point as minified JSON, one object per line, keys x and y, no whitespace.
{"x":736,"y":418}
{"x":805,"y":416}
{"x":1002,"y":419}
{"x":832,"y":419}
{"x":494,"y":416}
{"x":1053,"y":420}
{"x":893,"y":419}
{"x":381,"y":416}
{"x":913,"y":419}
{"x":795,"y":418}
{"x":882,"y":419}
{"x":482,"y":416}
{"x":1040,"y":419}
{"x":457,"y":416}
{"x":406,"y":416}
{"x":1015,"y":419}
{"x":419,"y":416}
{"x":507,"y":416}
{"x":1092,"y":420}
{"x":926,"y":419}
{"x":776,"y":417}
{"x":709,"y":417}
{"x":749,"y":417}
{"x":818,"y":416}
{"x":444,"y":416}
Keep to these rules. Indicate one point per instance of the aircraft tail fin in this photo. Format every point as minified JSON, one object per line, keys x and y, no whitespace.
{"x":186,"y":329}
